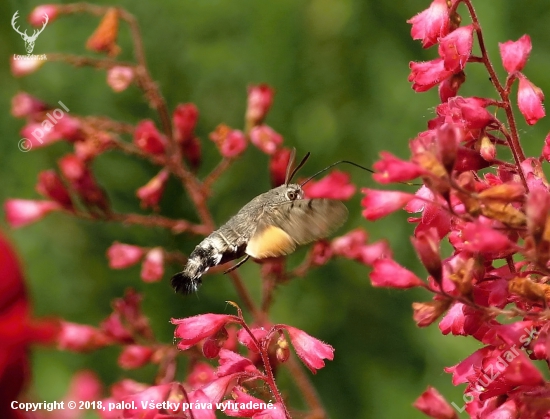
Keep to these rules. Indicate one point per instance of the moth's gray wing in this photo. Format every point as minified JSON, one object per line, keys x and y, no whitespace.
{"x":282,"y":227}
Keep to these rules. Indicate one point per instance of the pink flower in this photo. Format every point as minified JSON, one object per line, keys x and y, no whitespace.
{"x":135,"y":409}
{"x":151,"y":193}
{"x":353,"y":246}
{"x":122,"y":255}
{"x":426,"y":313}
{"x":277,"y":166}
{"x":84,"y":386}
{"x":120,"y":77}
{"x":244,"y":338}
{"x":152,"y":269}
{"x":20,"y":212}
{"x":231,"y":362}
{"x":479,"y":238}
{"x":514,"y":54}
{"x":148,"y":139}
{"x":265,"y":138}
{"x":434,"y":405}
{"x":336,"y":185}
{"x":246,"y":406}
{"x":215,"y":390}
{"x":378,"y":204}
{"x":448,"y":88}
{"x":134,"y":356}
{"x":387,"y":273}
{"x":230,"y":142}
{"x":309,"y":349}
{"x":260,"y":98}
{"x":185,"y":119}
{"x":425,"y":75}
{"x":200,"y":375}
{"x":426,"y":244}
{"x":81,"y":337}
{"x":431,"y":24}
{"x":546,"y":148}
{"x":530,"y":99}
{"x":192,"y":330}
{"x":23,"y":104}
{"x":51,"y":186}
{"x":36,"y":17}
{"x":391,"y":169}
{"x":23,"y":67}
{"x":456,"y":47}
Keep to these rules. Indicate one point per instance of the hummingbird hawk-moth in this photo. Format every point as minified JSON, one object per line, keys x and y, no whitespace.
{"x":272,"y":224}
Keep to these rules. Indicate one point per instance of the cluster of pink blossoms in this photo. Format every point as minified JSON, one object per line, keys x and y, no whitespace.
{"x":494,"y":213}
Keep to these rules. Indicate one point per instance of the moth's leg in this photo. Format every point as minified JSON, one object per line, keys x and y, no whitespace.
{"x":243,"y":260}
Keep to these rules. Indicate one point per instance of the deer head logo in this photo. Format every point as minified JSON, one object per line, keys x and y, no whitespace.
{"x":29,"y":40}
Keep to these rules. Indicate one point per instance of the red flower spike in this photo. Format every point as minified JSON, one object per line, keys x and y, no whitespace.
{"x":260,"y":98}
{"x":335,"y":185}
{"x":277,"y":166}
{"x":456,"y":47}
{"x":391,"y":169}
{"x":151,"y":193}
{"x":23,"y":104}
{"x":134,"y":356}
{"x":120,"y":77}
{"x":378,"y":204}
{"x":231,"y":362}
{"x":387,"y":273}
{"x":431,"y":24}
{"x":434,"y":405}
{"x":148,"y":139}
{"x":152,"y":269}
{"x":192,"y":330}
{"x":122,"y":255}
{"x":514,"y":54}
{"x":425,"y":75}
{"x":530,"y":99}
{"x":81,"y":337}
{"x":309,"y":349}
{"x":20,"y":212}
{"x":265,"y":138}
{"x":51,"y":186}
{"x":245,"y":339}
{"x":185,"y":119}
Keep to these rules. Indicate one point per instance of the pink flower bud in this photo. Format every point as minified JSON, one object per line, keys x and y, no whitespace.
{"x":23,"y":104}
{"x":122,"y":255}
{"x":391,"y":169}
{"x":546,"y":148}
{"x":378,"y":204}
{"x":426,"y":313}
{"x":434,"y":405}
{"x":265,"y":138}
{"x":448,"y":88}
{"x":431,"y":24}
{"x":152,"y":269}
{"x":36,"y":17}
{"x":244,"y":338}
{"x":487,"y":149}
{"x":309,"y":349}
{"x":231,"y":362}
{"x":80,"y":337}
{"x":148,"y":139}
{"x":530,"y":99}
{"x":20,"y":212}
{"x":277,"y":166}
{"x":425,"y":75}
{"x":21,"y":68}
{"x":192,"y":330}
{"x":151,"y":193}
{"x":120,"y":77}
{"x":426,"y":244}
{"x":387,"y":273}
{"x":456,"y":47}
{"x":231,"y":143}
{"x":134,"y":356}
{"x":336,"y":185}
{"x":51,"y":186}
{"x":320,"y":253}
{"x":104,"y":37}
{"x":260,"y":98}
{"x":514,"y":54}
{"x":185,"y":120}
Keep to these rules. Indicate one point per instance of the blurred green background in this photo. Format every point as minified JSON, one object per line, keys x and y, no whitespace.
{"x":340,"y":70}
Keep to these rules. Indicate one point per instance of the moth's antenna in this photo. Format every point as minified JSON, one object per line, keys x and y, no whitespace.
{"x":334,"y":164}
{"x":289,"y":165}
{"x":298,"y":167}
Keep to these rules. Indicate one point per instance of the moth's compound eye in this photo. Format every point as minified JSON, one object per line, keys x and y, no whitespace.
{"x":291,"y":195}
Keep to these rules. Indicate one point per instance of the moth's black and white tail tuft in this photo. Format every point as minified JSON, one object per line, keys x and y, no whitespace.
{"x":182,"y":282}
